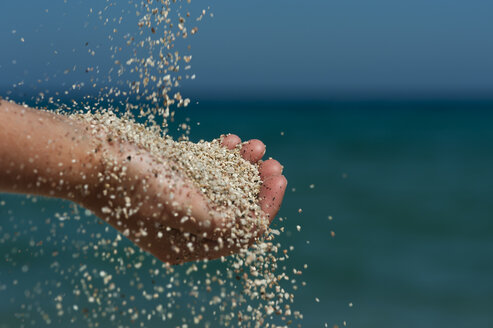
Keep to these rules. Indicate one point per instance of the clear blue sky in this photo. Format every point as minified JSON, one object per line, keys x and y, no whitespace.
{"x":312,"y":47}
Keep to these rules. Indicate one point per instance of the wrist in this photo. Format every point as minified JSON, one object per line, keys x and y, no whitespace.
{"x":85,"y":178}
{"x":101,"y":169}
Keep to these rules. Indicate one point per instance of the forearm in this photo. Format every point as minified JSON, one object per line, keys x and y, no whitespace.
{"x":44,"y":153}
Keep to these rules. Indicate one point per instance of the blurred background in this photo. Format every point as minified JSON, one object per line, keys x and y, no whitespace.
{"x":381,"y":113}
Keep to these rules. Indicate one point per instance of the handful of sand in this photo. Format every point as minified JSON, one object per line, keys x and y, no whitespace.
{"x":230,"y":183}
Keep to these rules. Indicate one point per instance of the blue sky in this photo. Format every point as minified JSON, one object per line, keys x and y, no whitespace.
{"x":282,"y":47}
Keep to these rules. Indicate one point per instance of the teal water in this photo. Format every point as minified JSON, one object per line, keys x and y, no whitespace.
{"x":408,"y":184}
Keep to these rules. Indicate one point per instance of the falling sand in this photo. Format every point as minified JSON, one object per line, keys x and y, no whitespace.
{"x":228,"y":182}
{"x":253,"y":287}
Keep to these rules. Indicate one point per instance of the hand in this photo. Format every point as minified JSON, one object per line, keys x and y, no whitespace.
{"x":138,"y":203}
{"x":57,"y":156}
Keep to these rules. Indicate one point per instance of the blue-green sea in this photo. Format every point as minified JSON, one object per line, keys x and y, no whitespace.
{"x":409,"y":187}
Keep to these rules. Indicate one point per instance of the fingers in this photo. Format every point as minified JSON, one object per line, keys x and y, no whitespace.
{"x":253,"y":150}
{"x":274,"y":184}
{"x":230,"y":141}
{"x":269,"y":168}
{"x":271,"y":195}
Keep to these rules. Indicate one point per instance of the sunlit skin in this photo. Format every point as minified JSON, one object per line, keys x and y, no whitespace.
{"x":47,"y":154}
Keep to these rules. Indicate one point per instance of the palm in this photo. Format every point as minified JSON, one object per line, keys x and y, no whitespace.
{"x":156,"y":224}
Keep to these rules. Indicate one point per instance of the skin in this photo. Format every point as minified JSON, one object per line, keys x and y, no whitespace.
{"x":50,"y":155}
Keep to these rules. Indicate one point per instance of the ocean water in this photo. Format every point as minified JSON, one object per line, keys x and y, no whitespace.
{"x":409,"y":185}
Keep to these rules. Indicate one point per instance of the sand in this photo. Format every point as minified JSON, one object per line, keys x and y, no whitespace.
{"x":254,"y":287}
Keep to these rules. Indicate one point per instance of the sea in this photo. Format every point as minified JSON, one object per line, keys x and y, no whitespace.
{"x":389,"y":207}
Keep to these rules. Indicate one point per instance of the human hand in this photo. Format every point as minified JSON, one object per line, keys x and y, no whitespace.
{"x":139,"y":203}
